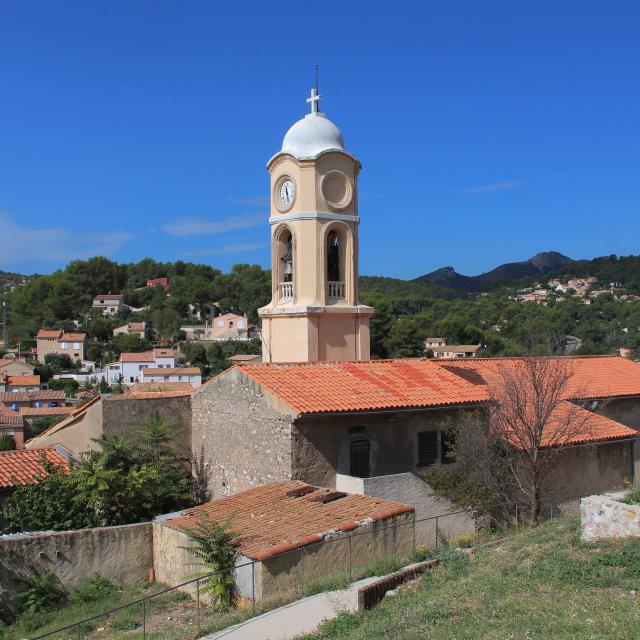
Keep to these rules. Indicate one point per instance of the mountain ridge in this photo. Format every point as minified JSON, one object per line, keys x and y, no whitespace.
{"x":540,"y":263}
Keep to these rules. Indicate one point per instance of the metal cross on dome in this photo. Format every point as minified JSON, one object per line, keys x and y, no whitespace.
{"x":313,"y":99}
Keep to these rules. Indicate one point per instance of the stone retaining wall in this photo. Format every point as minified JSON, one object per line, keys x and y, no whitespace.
{"x":605,"y":517}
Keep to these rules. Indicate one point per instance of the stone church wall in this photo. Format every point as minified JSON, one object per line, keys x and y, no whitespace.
{"x":245,"y":434}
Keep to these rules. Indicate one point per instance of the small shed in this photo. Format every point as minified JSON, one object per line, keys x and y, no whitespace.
{"x":290,"y":535}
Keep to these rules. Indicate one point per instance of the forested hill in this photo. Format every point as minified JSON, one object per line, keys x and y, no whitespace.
{"x":9,"y":281}
{"x":406,"y":311}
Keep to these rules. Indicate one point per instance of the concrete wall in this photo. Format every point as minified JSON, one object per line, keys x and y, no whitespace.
{"x":590,"y":469}
{"x":289,"y":572}
{"x":123,"y":414}
{"x":321,"y":446}
{"x":122,"y":555}
{"x":603,"y":517}
{"x":245,"y":434}
{"x":410,"y":489}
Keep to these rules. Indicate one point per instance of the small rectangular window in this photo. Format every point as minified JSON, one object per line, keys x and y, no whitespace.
{"x":427,"y":448}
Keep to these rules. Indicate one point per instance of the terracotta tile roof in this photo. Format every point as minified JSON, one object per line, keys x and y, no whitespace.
{"x":72,"y":337}
{"x":45,"y":411}
{"x":275,"y":518}
{"x":136,"y":326}
{"x":108,"y":296}
{"x":24,"y":466}
{"x":147,"y":356}
{"x":597,"y":428}
{"x":333,"y":387}
{"x":49,"y":334}
{"x":171,"y":371}
{"x":164,"y":353}
{"x":160,"y":387}
{"x":16,"y":381}
{"x":22,"y":396}
{"x":456,"y":348}
{"x":10,"y":419}
{"x":5,"y":362}
{"x":593,"y":376}
{"x":244,"y":357}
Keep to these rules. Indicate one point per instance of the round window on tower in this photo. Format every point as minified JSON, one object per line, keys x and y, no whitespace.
{"x":337,"y":189}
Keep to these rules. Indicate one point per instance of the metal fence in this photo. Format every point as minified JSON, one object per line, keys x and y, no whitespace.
{"x":558,"y":506}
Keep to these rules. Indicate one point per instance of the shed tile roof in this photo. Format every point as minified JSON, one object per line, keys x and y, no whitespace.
{"x":136,"y":326}
{"x":593,"y":376}
{"x":278,"y":517}
{"x":164,"y":353}
{"x":333,"y":387}
{"x":24,"y":466}
{"x":10,"y":419}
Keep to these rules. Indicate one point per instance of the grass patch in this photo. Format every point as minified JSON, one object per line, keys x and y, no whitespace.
{"x":631,"y":497}
{"x":541,"y":582}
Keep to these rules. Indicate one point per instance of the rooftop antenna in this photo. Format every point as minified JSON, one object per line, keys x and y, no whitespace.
{"x":315,"y":93}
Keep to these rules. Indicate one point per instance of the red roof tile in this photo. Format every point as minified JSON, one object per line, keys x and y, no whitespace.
{"x":24,"y":466}
{"x":22,"y":396}
{"x":72,"y":337}
{"x":593,"y":376}
{"x":22,"y":381}
{"x":330,"y":387}
{"x":137,"y":357}
{"x":45,"y":411}
{"x":281,"y":516}
{"x":49,"y":334}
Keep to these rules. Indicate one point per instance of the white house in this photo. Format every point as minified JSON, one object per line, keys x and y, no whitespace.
{"x":128,"y":369}
{"x":135,"y":328}
{"x":109,"y":304}
{"x":191,"y":375}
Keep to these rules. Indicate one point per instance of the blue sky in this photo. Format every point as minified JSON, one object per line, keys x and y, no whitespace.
{"x":487,"y":131}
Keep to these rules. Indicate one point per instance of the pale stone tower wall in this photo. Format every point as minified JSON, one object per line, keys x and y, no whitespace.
{"x":315,"y":312}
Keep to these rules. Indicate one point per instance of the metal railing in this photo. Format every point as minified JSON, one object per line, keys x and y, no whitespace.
{"x":519,"y":509}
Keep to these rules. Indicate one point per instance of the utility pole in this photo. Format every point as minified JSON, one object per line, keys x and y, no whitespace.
{"x":5,"y":337}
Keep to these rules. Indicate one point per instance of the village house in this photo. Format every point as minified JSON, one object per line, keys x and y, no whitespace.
{"x":15,"y":367}
{"x":72,"y":344}
{"x":228,"y":326}
{"x":128,"y":369}
{"x":109,"y":304}
{"x":132,"y":328}
{"x":434,"y":342}
{"x":159,"y":282}
{"x":282,"y":527}
{"x":20,"y":383}
{"x":17,"y":400}
{"x":192,"y":375}
{"x":454,"y":350}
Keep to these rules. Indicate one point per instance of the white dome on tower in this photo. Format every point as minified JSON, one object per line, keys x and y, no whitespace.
{"x":311,"y":136}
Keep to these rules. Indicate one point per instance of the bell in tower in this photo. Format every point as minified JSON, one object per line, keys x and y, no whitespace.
{"x":314,"y":313}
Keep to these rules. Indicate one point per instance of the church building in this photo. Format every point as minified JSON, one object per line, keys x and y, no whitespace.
{"x":318,"y":409}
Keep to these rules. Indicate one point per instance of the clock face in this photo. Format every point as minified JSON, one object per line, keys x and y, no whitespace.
{"x":287,"y":193}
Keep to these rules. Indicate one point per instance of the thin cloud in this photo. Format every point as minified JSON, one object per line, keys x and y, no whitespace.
{"x":124,"y":87}
{"x":227,"y":249}
{"x":55,"y":245}
{"x":200,"y":227}
{"x":495,"y":186}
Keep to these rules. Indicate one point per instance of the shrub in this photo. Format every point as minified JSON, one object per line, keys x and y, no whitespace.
{"x":95,"y":588}
{"x":632,"y":497}
{"x":216,"y":550}
{"x":42,"y":593}
{"x":7,"y":443}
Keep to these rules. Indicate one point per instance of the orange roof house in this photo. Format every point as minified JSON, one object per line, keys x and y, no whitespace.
{"x":321,"y":421}
{"x":277,"y":523}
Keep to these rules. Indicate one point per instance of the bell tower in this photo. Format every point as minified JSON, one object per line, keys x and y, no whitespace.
{"x":314,"y":313}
